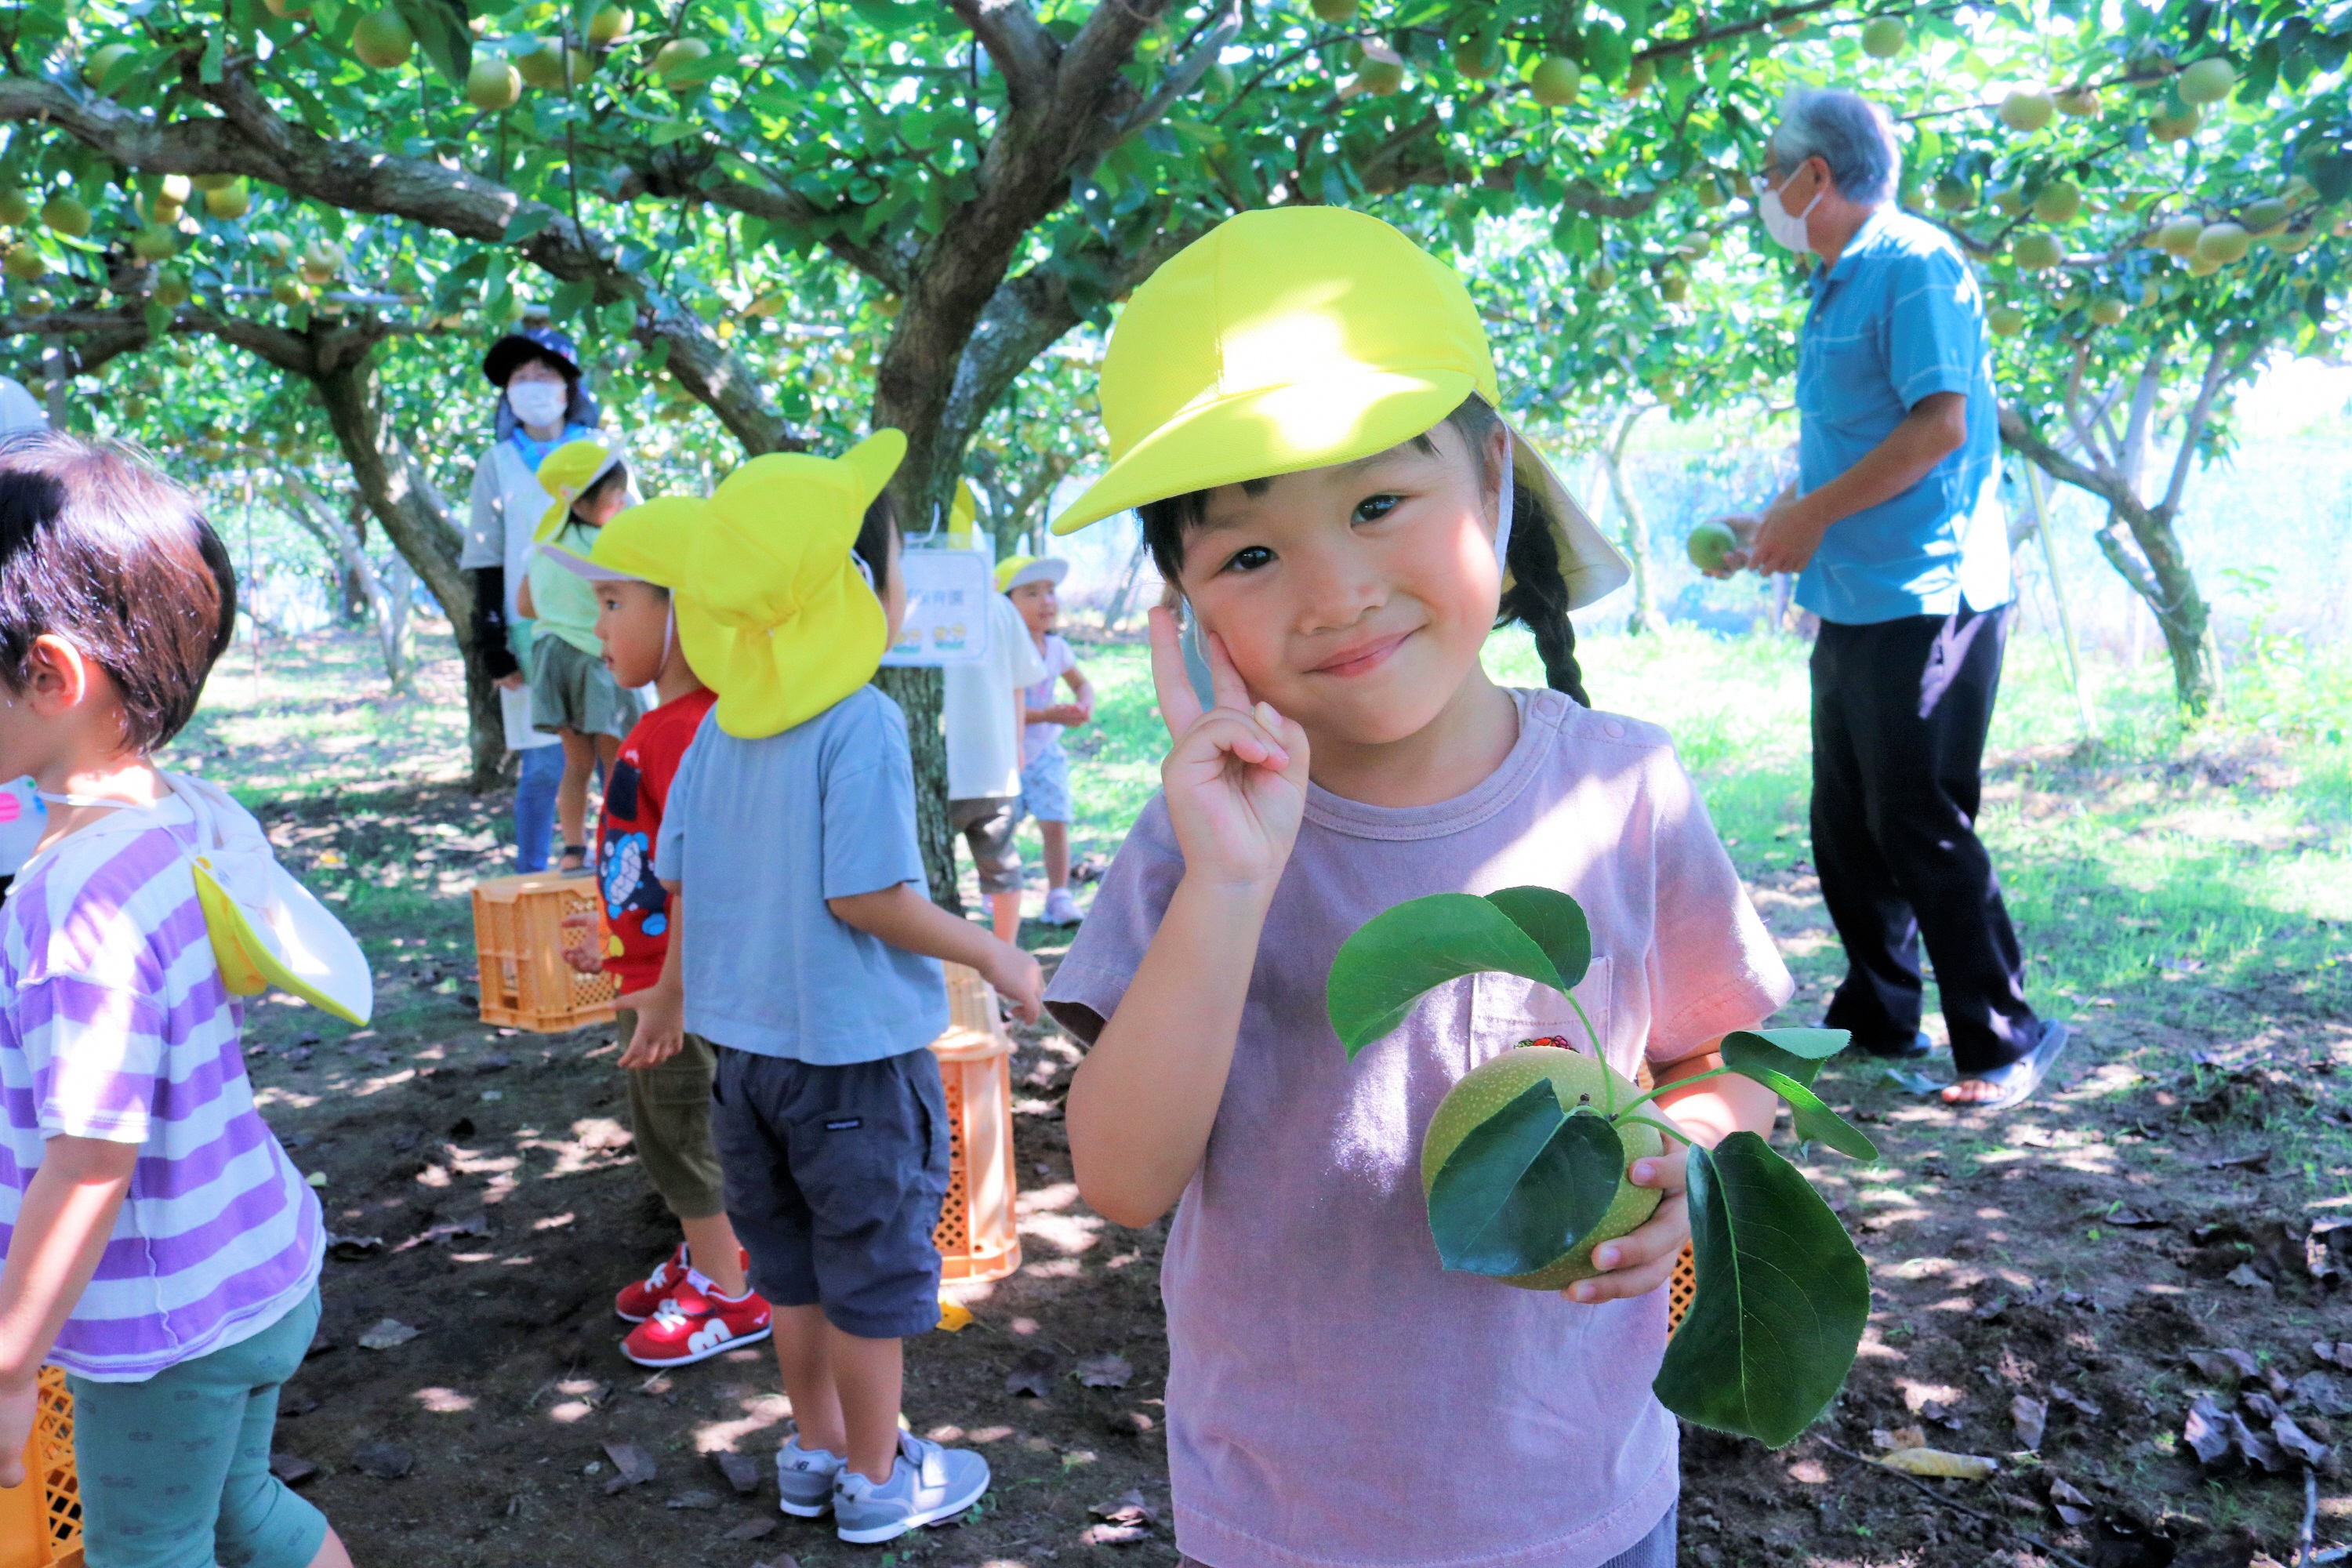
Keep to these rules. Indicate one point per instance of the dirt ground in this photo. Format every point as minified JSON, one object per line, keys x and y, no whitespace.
{"x":2166,"y":1201}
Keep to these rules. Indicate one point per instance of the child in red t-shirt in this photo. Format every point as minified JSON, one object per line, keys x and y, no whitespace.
{"x":697,"y":1301}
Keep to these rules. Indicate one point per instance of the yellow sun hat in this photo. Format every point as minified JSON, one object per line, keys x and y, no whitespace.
{"x":1297,"y":338}
{"x":1014,"y":570}
{"x":963,"y":511}
{"x":773,"y":613}
{"x":566,"y":473}
{"x":646,"y":543}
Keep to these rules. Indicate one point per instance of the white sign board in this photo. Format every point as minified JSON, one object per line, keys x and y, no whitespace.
{"x":947,"y":607}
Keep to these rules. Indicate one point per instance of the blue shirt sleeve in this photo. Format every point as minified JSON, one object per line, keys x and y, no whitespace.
{"x":867,"y":809}
{"x":1935,"y":327}
{"x":678,"y":808}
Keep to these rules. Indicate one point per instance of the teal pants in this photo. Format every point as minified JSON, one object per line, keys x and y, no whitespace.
{"x":175,"y":1470}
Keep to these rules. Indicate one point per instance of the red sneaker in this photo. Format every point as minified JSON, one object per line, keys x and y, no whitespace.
{"x":640,"y":1299}
{"x":696,"y":1323}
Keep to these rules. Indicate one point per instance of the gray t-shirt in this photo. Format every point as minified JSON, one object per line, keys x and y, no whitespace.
{"x":758,"y":833}
{"x":1334,"y":1396}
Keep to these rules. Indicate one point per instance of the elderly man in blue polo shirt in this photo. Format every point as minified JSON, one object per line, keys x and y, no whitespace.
{"x":1903,"y":555}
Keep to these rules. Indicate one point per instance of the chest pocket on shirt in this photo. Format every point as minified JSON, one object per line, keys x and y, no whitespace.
{"x":1506,"y":1010}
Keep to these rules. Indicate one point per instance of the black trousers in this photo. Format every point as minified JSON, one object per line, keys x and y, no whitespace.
{"x":1900,"y":712}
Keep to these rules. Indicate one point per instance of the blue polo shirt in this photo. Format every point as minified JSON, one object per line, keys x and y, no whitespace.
{"x":1897,"y":319}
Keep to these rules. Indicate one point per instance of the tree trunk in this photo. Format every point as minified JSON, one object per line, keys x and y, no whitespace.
{"x":1635,"y":539}
{"x":916,"y":692}
{"x":2169,"y":588}
{"x":404,"y":499}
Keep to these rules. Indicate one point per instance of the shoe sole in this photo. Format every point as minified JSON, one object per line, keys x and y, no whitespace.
{"x":806,"y":1511}
{"x":627,"y":1319}
{"x":721,"y":1348}
{"x":2045,"y":1056}
{"x":899,"y":1527}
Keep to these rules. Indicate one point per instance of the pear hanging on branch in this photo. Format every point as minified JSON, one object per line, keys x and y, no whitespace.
{"x":1525,"y":1163}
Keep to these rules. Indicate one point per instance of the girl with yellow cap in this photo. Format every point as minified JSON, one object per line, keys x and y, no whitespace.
{"x":1303,"y":408}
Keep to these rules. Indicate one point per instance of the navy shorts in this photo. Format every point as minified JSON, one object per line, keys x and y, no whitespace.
{"x":835,"y":1176}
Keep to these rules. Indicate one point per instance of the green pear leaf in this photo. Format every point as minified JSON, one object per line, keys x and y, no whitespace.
{"x":1797,"y":1053}
{"x":1782,"y":1298}
{"x":1382,"y":969}
{"x":1816,"y":1122}
{"x":1525,"y":1185}
{"x":1553,"y":922}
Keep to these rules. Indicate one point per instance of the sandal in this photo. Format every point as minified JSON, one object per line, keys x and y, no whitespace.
{"x":574,"y":862}
{"x":2016,"y":1082}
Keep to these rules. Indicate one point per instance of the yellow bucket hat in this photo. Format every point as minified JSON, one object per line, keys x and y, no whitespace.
{"x":1296,"y":337}
{"x":566,"y":473}
{"x":1015,"y":570}
{"x":775,"y":614}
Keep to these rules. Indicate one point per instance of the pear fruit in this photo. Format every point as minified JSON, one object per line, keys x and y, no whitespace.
{"x":24,"y":263}
{"x":1337,"y":13}
{"x":65,"y":215}
{"x":684,"y":65}
{"x":2039,"y":248}
{"x":1555,"y":81}
{"x":1673,"y":285}
{"x":1639,"y":77}
{"x":321,"y":260}
{"x":2222,"y":243}
{"x":155,"y":242}
{"x":102,"y":70}
{"x":231,"y":201}
{"x":2058,"y":202}
{"x":1578,"y":1080}
{"x":1709,"y":544}
{"x":2078,"y":102}
{"x":2010,"y":200}
{"x":1477,"y":59}
{"x":289,"y":291}
{"x":2028,"y":110}
{"x":609,"y":23}
{"x":541,"y":65}
{"x":2168,"y":127}
{"x":1710,"y":193}
{"x":16,"y":207}
{"x":492,"y":83}
{"x":2107,"y":310}
{"x":1601,"y":275}
{"x":381,"y":39}
{"x":213,"y":182}
{"x":1884,"y":38}
{"x":171,"y":287}
{"x":1380,"y":78}
{"x":2006,"y":321}
{"x":287,"y":10}
{"x":2179,"y":234}
{"x":2209,"y":81}
{"x":2203,"y":266}
{"x":2264,"y":218}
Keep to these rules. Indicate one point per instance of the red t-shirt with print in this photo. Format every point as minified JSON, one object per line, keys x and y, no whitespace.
{"x":633,"y":909}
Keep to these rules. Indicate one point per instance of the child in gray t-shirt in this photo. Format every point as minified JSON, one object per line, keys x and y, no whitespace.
{"x":811,"y":962}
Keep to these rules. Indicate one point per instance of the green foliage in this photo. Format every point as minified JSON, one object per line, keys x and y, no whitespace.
{"x":1782,"y":1298}
{"x":1525,"y":1185}
{"x":1386,"y":966}
{"x":1785,"y":1292}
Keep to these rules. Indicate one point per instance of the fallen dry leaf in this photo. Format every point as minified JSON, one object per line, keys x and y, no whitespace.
{"x":292,"y":1470}
{"x":751,"y":1530}
{"x":384,"y":1462}
{"x":2030,"y":1416}
{"x":2072,"y":1508}
{"x":1105,"y":1370}
{"x":2295,"y":1441}
{"x":1937,"y":1462}
{"x":635,"y":1465}
{"x":1114,"y":1534}
{"x":385,"y":1333}
{"x":1128,"y":1508}
{"x":2227,"y":1367}
{"x":2080,"y":1406}
{"x":2207,"y":1431}
{"x":699,"y":1501}
{"x":1033,"y":1373}
{"x":1901,"y":1437}
{"x":742,"y":1470}
{"x":2322,"y":1393}
{"x":2245,"y":1278}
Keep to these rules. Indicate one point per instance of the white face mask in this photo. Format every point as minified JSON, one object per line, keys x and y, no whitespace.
{"x":539,"y":402}
{"x":1787,"y":228}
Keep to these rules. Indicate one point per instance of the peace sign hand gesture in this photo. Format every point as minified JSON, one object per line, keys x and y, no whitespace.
{"x":1235,"y":777}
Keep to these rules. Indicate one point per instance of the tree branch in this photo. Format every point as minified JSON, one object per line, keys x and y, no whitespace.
{"x":2217,"y":374}
{"x":1018,"y":44}
{"x":2134,"y":455}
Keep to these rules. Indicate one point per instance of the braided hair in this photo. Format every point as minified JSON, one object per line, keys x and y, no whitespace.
{"x":1537,"y":597}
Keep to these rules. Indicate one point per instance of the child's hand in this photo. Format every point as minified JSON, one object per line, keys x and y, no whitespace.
{"x":579,"y":945}
{"x":1643,"y":1259}
{"x":1064,"y":713}
{"x":1236,"y":776}
{"x":661,"y":1026}
{"x":1017,"y":979}
{"x":20,"y":1407}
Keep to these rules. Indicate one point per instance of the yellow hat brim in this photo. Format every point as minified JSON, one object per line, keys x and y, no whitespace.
{"x":769,"y":683}
{"x":1269,"y":431}
{"x":649,"y":542}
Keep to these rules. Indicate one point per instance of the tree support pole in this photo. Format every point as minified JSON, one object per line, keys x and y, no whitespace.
{"x":2058,"y":597}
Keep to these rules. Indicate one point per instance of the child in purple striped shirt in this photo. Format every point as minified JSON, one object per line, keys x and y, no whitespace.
{"x":161,"y":1248}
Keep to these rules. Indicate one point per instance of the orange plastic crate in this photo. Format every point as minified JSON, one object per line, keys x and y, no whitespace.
{"x":977,"y":1235}
{"x":519,"y":940}
{"x":40,"y":1521}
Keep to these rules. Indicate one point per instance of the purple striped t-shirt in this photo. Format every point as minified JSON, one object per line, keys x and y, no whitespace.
{"x":115,"y":1025}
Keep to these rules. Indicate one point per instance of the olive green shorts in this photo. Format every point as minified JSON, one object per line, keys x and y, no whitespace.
{"x":572,"y":691}
{"x":670,"y":1118}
